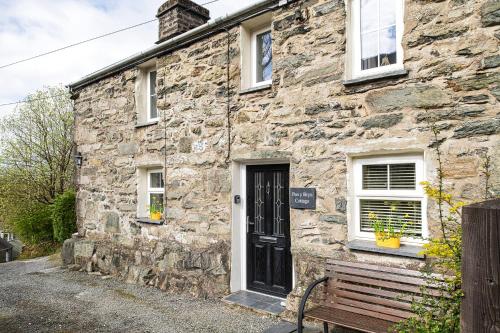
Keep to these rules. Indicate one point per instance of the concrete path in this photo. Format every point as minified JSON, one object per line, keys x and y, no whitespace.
{"x":38,"y":296}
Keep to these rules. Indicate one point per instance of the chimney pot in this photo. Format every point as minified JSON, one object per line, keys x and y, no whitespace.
{"x":179,"y":16}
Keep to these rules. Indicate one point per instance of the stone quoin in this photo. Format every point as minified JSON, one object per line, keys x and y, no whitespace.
{"x":196,"y":120}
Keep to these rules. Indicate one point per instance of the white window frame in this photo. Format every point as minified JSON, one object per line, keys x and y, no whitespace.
{"x":417,"y":194}
{"x":355,"y":36}
{"x":148,"y":94}
{"x":254,"y":57}
{"x":154,"y":190}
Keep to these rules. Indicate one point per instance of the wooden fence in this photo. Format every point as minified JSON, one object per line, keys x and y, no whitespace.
{"x":480,"y":312}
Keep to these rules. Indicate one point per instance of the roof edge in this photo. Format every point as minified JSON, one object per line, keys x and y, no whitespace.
{"x":179,"y":41}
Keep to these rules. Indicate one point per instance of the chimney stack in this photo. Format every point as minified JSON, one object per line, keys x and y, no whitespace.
{"x":179,"y":16}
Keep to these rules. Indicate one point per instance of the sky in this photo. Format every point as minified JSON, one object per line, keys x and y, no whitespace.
{"x":31,"y":27}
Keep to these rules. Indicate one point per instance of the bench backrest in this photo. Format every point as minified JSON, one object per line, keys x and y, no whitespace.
{"x":376,"y":291}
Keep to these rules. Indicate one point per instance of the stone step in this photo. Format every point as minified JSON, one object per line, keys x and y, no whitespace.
{"x":256,"y":301}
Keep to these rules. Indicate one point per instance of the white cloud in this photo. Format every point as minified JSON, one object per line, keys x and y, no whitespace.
{"x":30,"y":27}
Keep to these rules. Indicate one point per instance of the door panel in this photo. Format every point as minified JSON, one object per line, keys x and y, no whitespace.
{"x":260,"y":264}
{"x":269,"y":260}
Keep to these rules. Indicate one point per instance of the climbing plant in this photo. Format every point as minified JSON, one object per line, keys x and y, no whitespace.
{"x":441,"y":313}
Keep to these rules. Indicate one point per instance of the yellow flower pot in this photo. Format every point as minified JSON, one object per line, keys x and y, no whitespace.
{"x":156,"y":216}
{"x":382,"y":240}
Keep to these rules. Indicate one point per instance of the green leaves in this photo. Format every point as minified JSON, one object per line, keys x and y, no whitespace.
{"x":36,"y":162}
{"x":37,"y":143}
{"x":64,"y":216}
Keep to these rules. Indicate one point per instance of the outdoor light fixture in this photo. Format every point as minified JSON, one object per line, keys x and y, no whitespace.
{"x":78,"y":159}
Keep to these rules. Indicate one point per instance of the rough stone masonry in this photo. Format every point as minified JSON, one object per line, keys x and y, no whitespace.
{"x":308,"y":117}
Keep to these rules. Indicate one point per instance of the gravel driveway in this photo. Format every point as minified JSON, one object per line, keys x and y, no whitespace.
{"x":38,"y":296}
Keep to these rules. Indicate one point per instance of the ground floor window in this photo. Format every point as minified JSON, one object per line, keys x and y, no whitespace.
{"x":387,"y":190}
{"x":155,"y":193}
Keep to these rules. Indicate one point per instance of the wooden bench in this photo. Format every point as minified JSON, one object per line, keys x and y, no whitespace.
{"x":366,"y":297}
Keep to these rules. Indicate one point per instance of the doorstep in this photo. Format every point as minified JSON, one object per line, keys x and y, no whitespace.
{"x":256,"y":301}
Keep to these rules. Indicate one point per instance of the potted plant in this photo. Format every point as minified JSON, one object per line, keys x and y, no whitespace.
{"x":386,"y":235}
{"x":155,"y":210}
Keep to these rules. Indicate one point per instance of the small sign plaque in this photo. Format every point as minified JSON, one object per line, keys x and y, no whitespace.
{"x":303,"y":198}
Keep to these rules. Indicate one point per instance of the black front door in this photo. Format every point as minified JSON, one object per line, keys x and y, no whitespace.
{"x":269,"y":260}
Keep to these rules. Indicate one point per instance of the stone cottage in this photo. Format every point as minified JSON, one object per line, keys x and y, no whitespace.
{"x":268,"y":135}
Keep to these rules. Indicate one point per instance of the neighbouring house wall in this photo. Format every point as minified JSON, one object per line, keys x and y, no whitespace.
{"x":308,"y":117}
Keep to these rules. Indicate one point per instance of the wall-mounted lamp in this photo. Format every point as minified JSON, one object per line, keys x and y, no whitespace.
{"x":78,"y":159}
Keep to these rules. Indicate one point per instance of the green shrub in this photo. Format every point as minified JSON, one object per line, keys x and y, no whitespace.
{"x":64,"y":216}
{"x":33,"y":223}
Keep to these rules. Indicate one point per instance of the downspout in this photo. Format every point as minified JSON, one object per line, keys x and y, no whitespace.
{"x":76,"y":169}
{"x":164,"y":158}
{"x":228,"y":96}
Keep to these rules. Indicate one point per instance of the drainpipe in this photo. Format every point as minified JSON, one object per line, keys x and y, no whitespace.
{"x":228,"y":96}
{"x":164,"y":159}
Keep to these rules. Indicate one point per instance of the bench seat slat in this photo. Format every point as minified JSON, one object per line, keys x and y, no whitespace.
{"x":350,"y":320}
{"x":374,"y":307}
{"x":366,"y":313}
{"x":373,"y":299}
{"x":377,"y":291}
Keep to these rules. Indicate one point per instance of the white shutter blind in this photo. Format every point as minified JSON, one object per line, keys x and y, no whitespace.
{"x":394,"y":212}
{"x":375,"y":177}
{"x":389,"y":176}
{"x":402,"y":176}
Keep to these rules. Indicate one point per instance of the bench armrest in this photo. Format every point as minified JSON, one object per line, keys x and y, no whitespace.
{"x":303,"y":301}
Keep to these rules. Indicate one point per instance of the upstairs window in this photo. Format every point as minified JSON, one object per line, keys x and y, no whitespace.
{"x":389,"y":188}
{"x":376,"y":32}
{"x":256,"y":50}
{"x":262,"y":52}
{"x":145,"y":94}
{"x":151,"y":93}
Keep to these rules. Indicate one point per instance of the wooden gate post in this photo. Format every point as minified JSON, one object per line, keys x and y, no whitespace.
{"x":480,"y":311}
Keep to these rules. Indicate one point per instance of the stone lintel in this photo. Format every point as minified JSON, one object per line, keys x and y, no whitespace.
{"x":275,"y":156}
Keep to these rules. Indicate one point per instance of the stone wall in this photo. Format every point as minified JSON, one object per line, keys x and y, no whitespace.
{"x":308,"y":117}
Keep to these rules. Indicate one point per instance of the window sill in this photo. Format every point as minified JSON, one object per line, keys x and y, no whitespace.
{"x":255,"y":89}
{"x":148,"y":123}
{"x":409,"y":251}
{"x":370,"y":78}
{"x":146,"y":220}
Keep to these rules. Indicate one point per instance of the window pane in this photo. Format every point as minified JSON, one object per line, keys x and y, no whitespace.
{"x":388,"y":46}
{"x":387,"y":13}
{"x":369,"y":15}
{"x":395,"y":213}
{"x":153,"y":112}
{"x":375,"y":177}
{"x":155,"y":202}
{"x":378,"y":33}
{"x":402,"y":176}
{"x":369,"y":50}
{"x":264,"y":56}
{"x":152,"y":83}
{"x":156,"y":180}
